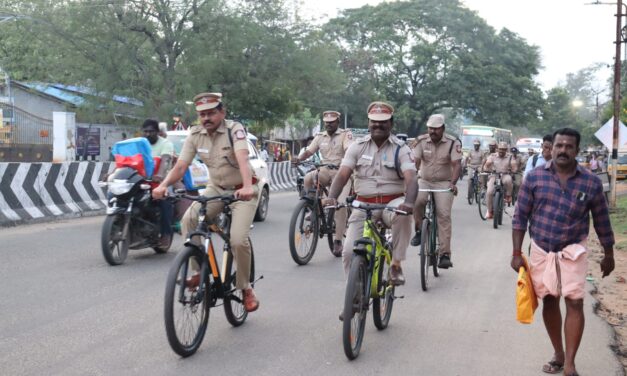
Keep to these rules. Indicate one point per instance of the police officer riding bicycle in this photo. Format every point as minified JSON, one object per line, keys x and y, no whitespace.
{"x":474,"y":158}
{"x":332,"y":145}
{"x":221,"y":144}
{"x":384,"y":174}
{"x":504,"y":163}
{"x":438,"y":157}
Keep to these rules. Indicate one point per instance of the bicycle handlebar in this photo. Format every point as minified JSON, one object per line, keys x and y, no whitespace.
{"x":368,"y":207}
{"x":227,"y":199}
{"x":434,"y":190}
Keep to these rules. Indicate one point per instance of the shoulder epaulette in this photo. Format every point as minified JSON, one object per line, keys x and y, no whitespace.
{"x":361,"y":140}
{"x":423,"y":137}
{"x":195,"y":129}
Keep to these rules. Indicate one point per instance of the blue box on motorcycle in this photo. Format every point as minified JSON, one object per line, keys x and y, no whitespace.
{"x":138,"y":146}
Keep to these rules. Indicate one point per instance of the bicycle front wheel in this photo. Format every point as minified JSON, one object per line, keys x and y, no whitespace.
{"x":425,"y":247}
{"x":187,"y":301}
{"x":481,"y":202}
{"x":304,"y":230}
{"x":355,"y":307}
{"x":233,"y":299}
{"x":471,"y":191}
{"x":382,"y":304}
{"x":496,"y":208}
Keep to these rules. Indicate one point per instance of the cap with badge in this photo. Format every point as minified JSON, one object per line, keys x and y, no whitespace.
{"x":492,"y":142}
{"x":435,"y":121}
{"x":380,"y":111}
{"x":330,"y":116}
{"x":503,"y":145}
{"x":207,"y":101}
{"x":476,"y":142}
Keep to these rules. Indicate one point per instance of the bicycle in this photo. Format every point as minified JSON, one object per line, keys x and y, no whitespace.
{"x":480,"y":199}
{"x":309,"y":221}
{"x":429,"y":241}
{"x":195,"y":283}
{"x":368,"y":279}
{"x":473,"y":186}
{"x":498,"y":201}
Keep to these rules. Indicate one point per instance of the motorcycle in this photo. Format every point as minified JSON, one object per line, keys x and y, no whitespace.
{"x":133,"y":217}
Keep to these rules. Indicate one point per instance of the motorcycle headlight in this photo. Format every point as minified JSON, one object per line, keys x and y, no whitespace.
{"x":120,"y":187}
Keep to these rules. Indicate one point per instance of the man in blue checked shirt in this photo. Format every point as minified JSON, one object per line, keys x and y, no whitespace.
{"x":556,"y":201}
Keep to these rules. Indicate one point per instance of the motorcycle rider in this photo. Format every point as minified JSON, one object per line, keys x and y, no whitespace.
{"x":163,"y":149}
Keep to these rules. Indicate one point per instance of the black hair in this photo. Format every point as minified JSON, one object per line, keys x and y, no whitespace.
{"x":219,"y":106}
{"x":568,"y":132}
{"x":547,"y":138}
{"x":151,"y":123}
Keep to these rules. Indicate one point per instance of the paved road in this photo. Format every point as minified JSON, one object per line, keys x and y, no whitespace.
{"x":64,"y":311}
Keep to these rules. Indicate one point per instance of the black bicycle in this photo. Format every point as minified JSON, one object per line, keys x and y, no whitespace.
{"x":498,"y":201}
{"x":429,"y":240}
{"x":195,"y":283}
{"x":482,"y":193}
{"x":474,"y":187}
{"x":311,"y":221}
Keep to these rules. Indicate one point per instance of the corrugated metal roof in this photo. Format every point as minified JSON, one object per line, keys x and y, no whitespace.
{"x":75,"y":94}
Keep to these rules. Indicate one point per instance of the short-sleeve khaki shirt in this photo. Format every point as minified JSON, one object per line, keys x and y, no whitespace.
{"x":503,"y":165}
{"x":374,"y":168}
{"x":436,"y":160}
{"x":332,"y":148}
{"x":216,"y":151}
{"x":475,"y":157}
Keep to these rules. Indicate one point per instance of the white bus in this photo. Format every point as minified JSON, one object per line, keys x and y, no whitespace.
{"x":524,"y":144}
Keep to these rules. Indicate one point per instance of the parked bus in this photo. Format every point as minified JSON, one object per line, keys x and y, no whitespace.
{"x":485,"y":134}
{"x":524,"y":144}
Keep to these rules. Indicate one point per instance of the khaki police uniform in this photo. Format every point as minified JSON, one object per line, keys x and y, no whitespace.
{"x":436,"y":172}
{"x":505,"y":165}
{"x":332,"y":149}
{"x":517,"y":175}
{"x":375,"y":177}
{"x":218,"y":154}
{"x":475,"y":158}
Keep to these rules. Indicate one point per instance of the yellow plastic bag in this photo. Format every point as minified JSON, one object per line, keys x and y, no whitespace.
{"x":526,"y":300}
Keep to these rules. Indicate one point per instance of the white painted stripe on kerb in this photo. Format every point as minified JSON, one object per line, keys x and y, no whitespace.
{"x":65,"y":195}
{"x":41,"y":189}
{"x":20,"y":193}
{"x":78,"y":184}
{"x":4,"y":206}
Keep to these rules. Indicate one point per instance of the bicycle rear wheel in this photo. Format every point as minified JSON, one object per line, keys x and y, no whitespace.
{"x":501,"y":208}
{"x":496,"y":209}
{"x":355,"y":307}
{"x":304,"y":230}
{"x":187,"y":301}
{"x":425,"y":247}
{"x":233,"y":299}
{"x":382,"y":304}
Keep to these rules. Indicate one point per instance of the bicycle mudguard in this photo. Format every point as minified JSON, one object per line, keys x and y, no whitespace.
{"x":361,"y":246}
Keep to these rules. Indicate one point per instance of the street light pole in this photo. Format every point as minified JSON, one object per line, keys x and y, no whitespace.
{"x":617,"y":102}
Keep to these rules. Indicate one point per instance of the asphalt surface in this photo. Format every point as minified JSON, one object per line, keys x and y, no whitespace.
{"x":65,"y":311}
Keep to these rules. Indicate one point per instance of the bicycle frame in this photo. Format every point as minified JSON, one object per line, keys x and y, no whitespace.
{"x":372,"y":250}
{"x":326,"y":224}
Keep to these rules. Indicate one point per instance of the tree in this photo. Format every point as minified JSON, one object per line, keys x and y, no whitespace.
{"x":428,"y":55}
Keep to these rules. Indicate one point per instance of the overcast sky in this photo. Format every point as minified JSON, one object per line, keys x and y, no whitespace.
{"x":571,"y":35}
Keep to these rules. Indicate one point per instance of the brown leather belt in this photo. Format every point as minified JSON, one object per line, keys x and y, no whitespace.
{"x":382,"y":199}
{"x":239,"y":186}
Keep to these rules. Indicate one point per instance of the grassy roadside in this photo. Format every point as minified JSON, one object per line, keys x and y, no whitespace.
{"x":619,"y":223}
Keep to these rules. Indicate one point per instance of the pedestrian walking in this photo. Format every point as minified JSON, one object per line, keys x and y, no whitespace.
{"x":556,"y":201}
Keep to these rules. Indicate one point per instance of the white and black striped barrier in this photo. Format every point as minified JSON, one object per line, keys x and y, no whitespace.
{"x":39,"y":192}
{"x":282,"y":176}
{"x":32,"y":192}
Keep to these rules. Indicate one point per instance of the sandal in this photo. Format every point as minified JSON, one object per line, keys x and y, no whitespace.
{"x":553,"y":367}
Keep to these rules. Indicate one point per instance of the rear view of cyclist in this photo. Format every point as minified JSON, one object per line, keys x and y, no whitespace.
{"x":332,"y":145}
{"x":384,"y":174}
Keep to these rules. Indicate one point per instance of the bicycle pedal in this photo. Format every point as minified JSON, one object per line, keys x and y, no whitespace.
{"x":399,"y":297}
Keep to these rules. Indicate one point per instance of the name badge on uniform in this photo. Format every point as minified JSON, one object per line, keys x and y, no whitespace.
{"x":324,"y":143}
{"x":203,"y":150}
{"x":427,"y":151}
{"x":368,"y":157}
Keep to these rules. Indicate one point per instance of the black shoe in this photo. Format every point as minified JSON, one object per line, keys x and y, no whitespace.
{"x":445,"y":262}
{"x":415,"y":241}
{"x":337,"y":248}
{"x":341,"y":316}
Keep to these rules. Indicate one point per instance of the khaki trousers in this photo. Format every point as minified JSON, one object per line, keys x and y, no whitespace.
{"x":507,"y":183}
{"x":325,"y":177}
{"x":401,"y":232}
{"x":443,"y":206}
{"x":243,"y":213}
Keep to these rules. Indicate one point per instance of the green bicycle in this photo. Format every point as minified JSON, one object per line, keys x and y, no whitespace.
{"x":368,"y":279}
